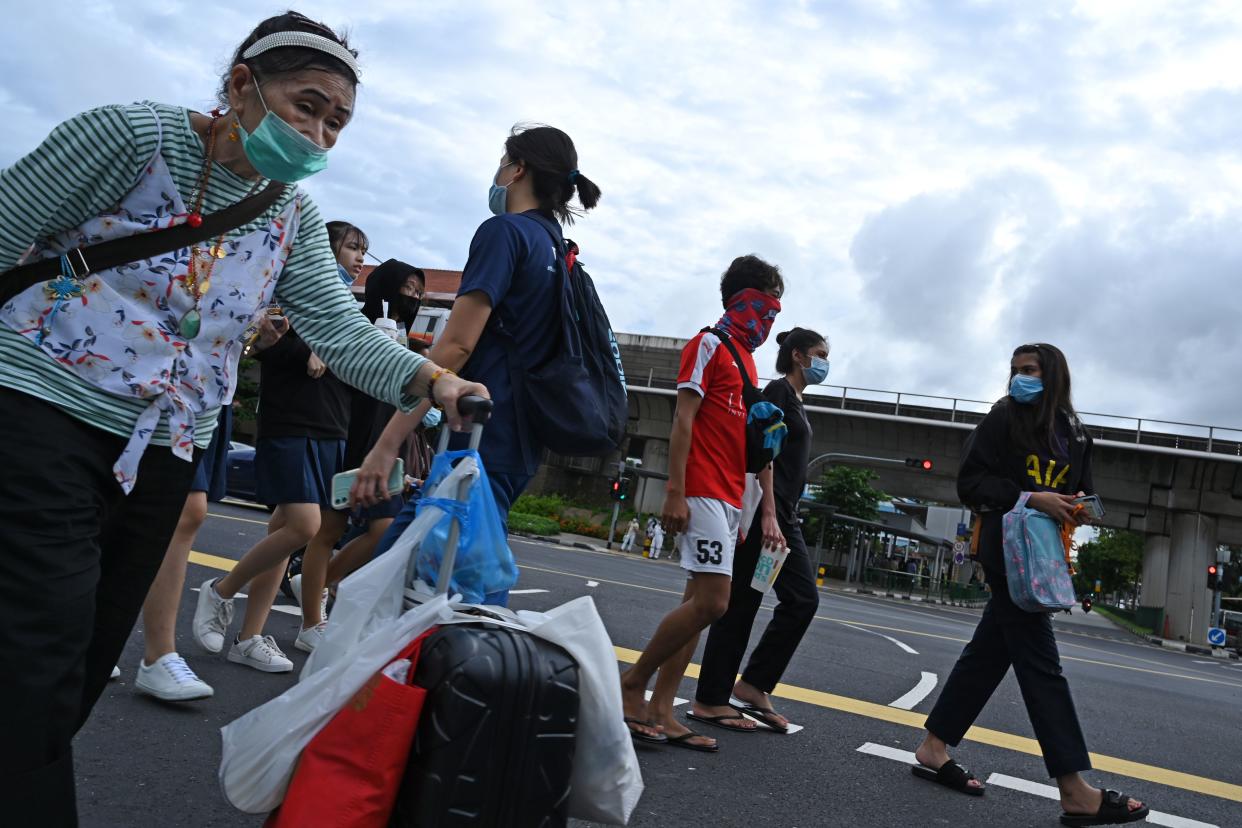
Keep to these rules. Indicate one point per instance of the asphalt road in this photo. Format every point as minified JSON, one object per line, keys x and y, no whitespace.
{"x":144,"y":763}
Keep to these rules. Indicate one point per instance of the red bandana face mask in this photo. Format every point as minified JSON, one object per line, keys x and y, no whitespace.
{"x":749,"y":316}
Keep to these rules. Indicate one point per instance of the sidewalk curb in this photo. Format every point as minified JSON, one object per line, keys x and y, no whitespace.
{"x":897,"y":596}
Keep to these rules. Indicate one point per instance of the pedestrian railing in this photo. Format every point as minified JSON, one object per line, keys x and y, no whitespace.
{"x":1114,"y":427}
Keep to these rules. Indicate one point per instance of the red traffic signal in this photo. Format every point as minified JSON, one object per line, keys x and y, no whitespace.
{"x":919,"y":463}
{"x":1213,"y":576}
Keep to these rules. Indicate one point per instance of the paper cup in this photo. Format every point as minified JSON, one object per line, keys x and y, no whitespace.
{"x":768,"y":568}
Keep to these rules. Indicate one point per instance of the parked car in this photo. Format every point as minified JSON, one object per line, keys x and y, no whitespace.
{"x":240,"y":478}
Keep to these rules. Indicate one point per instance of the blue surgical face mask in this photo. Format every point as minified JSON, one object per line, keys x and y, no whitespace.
{"x":817,"y":372}
{"x":498,"y":196}
{"x":432,"y":418}
{"x":1025,"y":389}
{"x":280,"y":152}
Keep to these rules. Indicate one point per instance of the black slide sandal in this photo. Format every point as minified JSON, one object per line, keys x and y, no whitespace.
{"x":683,"y":741}
{"x":951,"y":775}
{"x":1113,"y":811}
{"x":719,"y":721}
{"x":762,"y":715}
{"x":639,"y":736}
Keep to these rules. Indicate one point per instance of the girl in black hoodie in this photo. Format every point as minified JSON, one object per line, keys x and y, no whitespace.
{"x":1031,"y":441}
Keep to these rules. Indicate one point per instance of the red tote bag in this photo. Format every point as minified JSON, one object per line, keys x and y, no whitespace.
{"x":349,"y":774}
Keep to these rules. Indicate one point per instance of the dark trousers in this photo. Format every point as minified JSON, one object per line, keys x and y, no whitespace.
{"x":1008,"y":636}
{"x":76,"y":559}
{"x":726,"y":642}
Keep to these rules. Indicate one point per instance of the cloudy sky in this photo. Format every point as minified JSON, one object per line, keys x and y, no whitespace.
{"x":939,"y":181}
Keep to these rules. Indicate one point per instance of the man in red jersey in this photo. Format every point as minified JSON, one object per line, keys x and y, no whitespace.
{"x":706,"y":479}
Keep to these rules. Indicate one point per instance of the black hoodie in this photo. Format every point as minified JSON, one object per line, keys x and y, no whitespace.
{"x":994,"y":473}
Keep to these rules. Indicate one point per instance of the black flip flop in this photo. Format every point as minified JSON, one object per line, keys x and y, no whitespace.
{"x":683,"y":741}
{"x":639,"y":736}
{"x":763,"y":715}
{"x":719,"y":721}
{"x":951,"y":775}
{"x":1113,"y":811}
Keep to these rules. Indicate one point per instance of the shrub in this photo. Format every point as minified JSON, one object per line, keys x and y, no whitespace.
{"x":532,"y":524}
{"x":549,"y":506}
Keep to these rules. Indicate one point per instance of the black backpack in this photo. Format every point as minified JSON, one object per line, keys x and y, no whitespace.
{"x":575,"y":399}
{"x":759,"y":427}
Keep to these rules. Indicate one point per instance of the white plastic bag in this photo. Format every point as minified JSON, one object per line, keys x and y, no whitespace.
{"x":368,"y":628}
{"x":752,"y":496}
{"x":606,"y":782}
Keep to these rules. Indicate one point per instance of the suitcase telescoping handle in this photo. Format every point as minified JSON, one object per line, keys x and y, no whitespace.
{"x":478,"y":410}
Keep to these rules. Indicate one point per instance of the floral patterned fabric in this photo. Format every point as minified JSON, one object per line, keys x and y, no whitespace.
{"x":121,"y":334}
{"x":1035,"y":566}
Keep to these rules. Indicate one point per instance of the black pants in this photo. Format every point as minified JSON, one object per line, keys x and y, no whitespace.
{"x":76,"y":559}
{"x":1008,"y":636}
{"x":726,"y":642}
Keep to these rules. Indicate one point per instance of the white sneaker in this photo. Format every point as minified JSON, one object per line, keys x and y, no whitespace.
{"x":309,"y":638}
{"x":171,"y":679}
{"x":212,"y":617}
{"x":261,"y":653}
{"x":295,"y":584}
{"x":116,"y":673}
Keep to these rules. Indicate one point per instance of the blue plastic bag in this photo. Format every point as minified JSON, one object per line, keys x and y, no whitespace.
{"x":485,"y":570}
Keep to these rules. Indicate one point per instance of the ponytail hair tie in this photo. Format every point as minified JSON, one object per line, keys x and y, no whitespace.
{"x":573,"y":174}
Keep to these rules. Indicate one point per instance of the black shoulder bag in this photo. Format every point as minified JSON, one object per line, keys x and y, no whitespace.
{"x":758,"y":454}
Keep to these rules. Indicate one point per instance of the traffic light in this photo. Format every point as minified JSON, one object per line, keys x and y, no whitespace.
{"x":1213,"y":576}
{"x":919,"y":463}
{"x":620,"y":488}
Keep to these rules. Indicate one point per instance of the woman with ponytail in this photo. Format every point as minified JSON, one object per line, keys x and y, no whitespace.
{"x":802,"y":361}
{"x":508,"y":303}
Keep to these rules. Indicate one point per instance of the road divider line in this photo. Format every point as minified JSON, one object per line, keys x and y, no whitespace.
{"x":238,"y":519}
{"x":526,"y":591}
{"x":985,"y":736}
{"x":902,"y":645}
{"x":892,"y":715}
{"x":920,"y":691}
{"x":1015,"y":783}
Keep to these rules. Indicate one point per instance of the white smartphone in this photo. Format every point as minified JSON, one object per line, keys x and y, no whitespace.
{"x":343,"y":482}
{"x":1093,"y":505}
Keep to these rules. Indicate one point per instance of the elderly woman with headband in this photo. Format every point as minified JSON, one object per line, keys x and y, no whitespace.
{"x":140,"y":242}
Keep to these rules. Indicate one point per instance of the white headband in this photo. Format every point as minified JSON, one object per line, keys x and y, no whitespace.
{"x":305,"y":40}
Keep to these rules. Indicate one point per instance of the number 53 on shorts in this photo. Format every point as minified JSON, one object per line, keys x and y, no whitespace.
{"x":711,"y":533}
{"x":710,"y":552}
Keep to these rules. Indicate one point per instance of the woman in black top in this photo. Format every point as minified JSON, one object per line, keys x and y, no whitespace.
{"x":803,"y":361}
{"x":1031,"y":441}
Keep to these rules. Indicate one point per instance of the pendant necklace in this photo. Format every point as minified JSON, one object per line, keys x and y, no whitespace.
{"x":198,"y":275}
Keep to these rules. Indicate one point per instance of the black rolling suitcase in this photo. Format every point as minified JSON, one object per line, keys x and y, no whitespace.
{"x":496,"y":738}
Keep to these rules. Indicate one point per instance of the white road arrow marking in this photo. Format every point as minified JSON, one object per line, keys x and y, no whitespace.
{"x":921,"y":690}
{"x":677,"y":702}
{"x":592,"y":583}
{"x":886,"y":752}
{"x":900,"y":644}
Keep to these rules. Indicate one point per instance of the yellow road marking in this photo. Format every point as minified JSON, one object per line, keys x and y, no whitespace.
{"x":985,"y":736}
{"x":871,"y":710}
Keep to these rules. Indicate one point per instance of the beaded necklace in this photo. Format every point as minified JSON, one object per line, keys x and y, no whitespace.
{"x":198,"y":275}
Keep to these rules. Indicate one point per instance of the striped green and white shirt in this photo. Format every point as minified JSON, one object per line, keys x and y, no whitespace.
{"x":84,"y":168}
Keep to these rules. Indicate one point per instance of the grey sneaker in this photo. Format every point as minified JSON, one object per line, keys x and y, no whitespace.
{"x":295,"y":585}
{"x":261,"y":653}
{"x":171,"y":679}
{"x":212,"y":617}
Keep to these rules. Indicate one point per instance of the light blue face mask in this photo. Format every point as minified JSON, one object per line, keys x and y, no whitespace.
{"x":1026,"y":390}
{"x":280,"y":152}
{"x":498,"y":196}
{"x":817,"y":372}
{"x":432,"y":418}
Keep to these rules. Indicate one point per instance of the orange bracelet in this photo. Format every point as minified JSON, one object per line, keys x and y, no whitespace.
{"x":431,"y":384}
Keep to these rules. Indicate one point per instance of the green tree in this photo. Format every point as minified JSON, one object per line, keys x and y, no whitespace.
{"x":1114,"y":558}
{"x":850,"y":492}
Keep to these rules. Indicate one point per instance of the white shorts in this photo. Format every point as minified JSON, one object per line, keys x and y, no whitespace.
{"x":708,"y":542}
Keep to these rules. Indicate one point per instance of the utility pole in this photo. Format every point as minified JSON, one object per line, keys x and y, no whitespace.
{"x":616,"y":505}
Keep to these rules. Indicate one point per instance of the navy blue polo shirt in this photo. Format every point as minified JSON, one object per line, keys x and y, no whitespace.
{"x":513,"y":262}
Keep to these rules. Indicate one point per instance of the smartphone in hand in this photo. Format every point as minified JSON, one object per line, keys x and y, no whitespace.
{"x":343,"y":482}
{"x":1092,"y":504}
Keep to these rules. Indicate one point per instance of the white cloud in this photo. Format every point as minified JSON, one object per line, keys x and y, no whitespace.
{"x":938,"y":181}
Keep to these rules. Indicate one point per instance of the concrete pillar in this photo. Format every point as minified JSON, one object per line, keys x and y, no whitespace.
{"x":1188,"y":601}
{"x":1155,"y":571}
